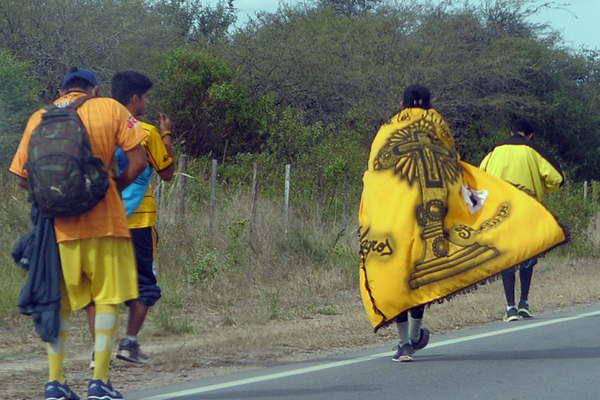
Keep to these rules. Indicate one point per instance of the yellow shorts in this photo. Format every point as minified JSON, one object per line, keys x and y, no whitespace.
{"x":101,"y":270}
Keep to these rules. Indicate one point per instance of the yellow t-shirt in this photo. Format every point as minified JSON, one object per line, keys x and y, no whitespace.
{"x":524,"y":165}
{"x":109,"y":125}
{"x":159,"y":159}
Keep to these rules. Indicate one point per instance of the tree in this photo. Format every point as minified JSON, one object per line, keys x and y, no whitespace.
{"x":350,"y":7}
{"x":110,"y":35}
{"x":485,"y":65}
{"x":17,"y":100}
{"x":198,"y":23}
{"x":209,"y":108}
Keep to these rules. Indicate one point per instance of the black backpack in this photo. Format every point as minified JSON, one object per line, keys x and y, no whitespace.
{"x":65,"y":178}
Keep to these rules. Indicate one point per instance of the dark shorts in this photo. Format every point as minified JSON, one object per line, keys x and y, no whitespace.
{"x":144,"y":246}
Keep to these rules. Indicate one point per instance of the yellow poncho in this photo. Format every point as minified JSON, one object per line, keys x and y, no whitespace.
{"x":420,"y":241}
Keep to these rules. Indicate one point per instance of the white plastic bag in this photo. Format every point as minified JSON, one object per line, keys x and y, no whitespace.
{"x":474,"y":199}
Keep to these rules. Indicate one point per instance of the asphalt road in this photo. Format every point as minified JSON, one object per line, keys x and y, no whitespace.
{"x":554,"y":356}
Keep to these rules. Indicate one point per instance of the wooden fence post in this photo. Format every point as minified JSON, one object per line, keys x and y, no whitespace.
{"x":320,"y":200}
{"x":286,"y":198}
{"x":225,"y":152}
{"x":213,"y":198}
{"x":585,"y":191}
{"x":181,"y":187}
{"x":254,"y":197}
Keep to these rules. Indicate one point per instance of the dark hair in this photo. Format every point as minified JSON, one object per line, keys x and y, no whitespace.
{"x":417,"y":96}
{"x":521,"y":125}
{"x":127,"y":84}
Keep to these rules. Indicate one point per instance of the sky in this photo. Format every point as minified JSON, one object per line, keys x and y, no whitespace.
{"x":579,"y":26}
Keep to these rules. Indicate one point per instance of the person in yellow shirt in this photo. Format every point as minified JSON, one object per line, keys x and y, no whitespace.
{"x":527,"y":166}
{"x":95,"y":248}
{"x":132,"y":89}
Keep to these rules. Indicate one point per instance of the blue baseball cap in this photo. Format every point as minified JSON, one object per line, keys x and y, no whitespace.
{"x":80,"y":73}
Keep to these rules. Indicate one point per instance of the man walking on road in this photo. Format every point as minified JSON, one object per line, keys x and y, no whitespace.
{"x":132,"y":89}
{"x":95,"y":248}
{"x":528,"y":167}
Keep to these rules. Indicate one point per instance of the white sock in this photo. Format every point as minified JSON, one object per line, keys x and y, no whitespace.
{"x":415,"y":328}
{"x":508,"y":308}
{"x":131,"y":338}
{"x":403,"y":332}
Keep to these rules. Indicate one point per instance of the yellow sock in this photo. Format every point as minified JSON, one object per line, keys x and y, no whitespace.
{"x":56,"y":352}
{"x":106,"y":325}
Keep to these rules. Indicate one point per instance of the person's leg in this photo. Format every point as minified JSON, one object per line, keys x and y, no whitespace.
{"x":415,"y":323}
{"x":111,"y":268}
{"x":525,"y":275}
{"x":144,"y":246}
{"x":508,"y":281}
{"x":402,"y":327}
{"x":137,"y":315}
{"x":56,"y":387}
{"x":75,"y":293}
{"x":56,"y":350}
{"x":404,"y":349}
{"x":90,"y":311}
{"x":104,"y":331}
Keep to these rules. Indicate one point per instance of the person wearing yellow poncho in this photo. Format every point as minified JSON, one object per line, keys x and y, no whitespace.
{"x":527,"y":166}
{"x":432,"y":226}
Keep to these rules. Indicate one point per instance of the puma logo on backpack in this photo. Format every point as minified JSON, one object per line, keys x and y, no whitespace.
{"x":65,"y":178}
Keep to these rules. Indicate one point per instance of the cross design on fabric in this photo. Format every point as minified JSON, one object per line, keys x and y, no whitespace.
{"x":417,"y":156}
{"x":414,"y":153}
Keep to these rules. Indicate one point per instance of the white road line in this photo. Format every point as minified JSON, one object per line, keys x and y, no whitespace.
{"x":336,"y":364}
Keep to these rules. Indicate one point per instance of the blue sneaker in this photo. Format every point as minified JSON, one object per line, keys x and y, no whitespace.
{"x":98,"y":390}
{"x":59,"y":391}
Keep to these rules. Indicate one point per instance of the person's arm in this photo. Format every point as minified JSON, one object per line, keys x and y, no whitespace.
{"x":166,"y":127}
{"x":551,"y":177}
{"x":484,"y":162}
{"x":137,"y":162}
{"x":129,"y":138}
{"x":167,"y":173}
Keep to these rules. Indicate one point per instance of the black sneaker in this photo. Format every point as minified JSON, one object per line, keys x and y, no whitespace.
{"x":423,"y":340}
{"x":524,"y":310}
{"x":511,"y":315}
{"x":403,"y":353}
{"x":129,"y":350}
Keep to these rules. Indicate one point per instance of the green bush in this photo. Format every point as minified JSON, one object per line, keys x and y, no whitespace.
{"x":575,"y":215}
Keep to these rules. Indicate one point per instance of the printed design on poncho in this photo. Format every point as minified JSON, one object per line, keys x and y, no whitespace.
{"x":524,"y":189}
{"x":466,"y":235}
{"x":382,"y":247}
{"x":416,"y":155}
